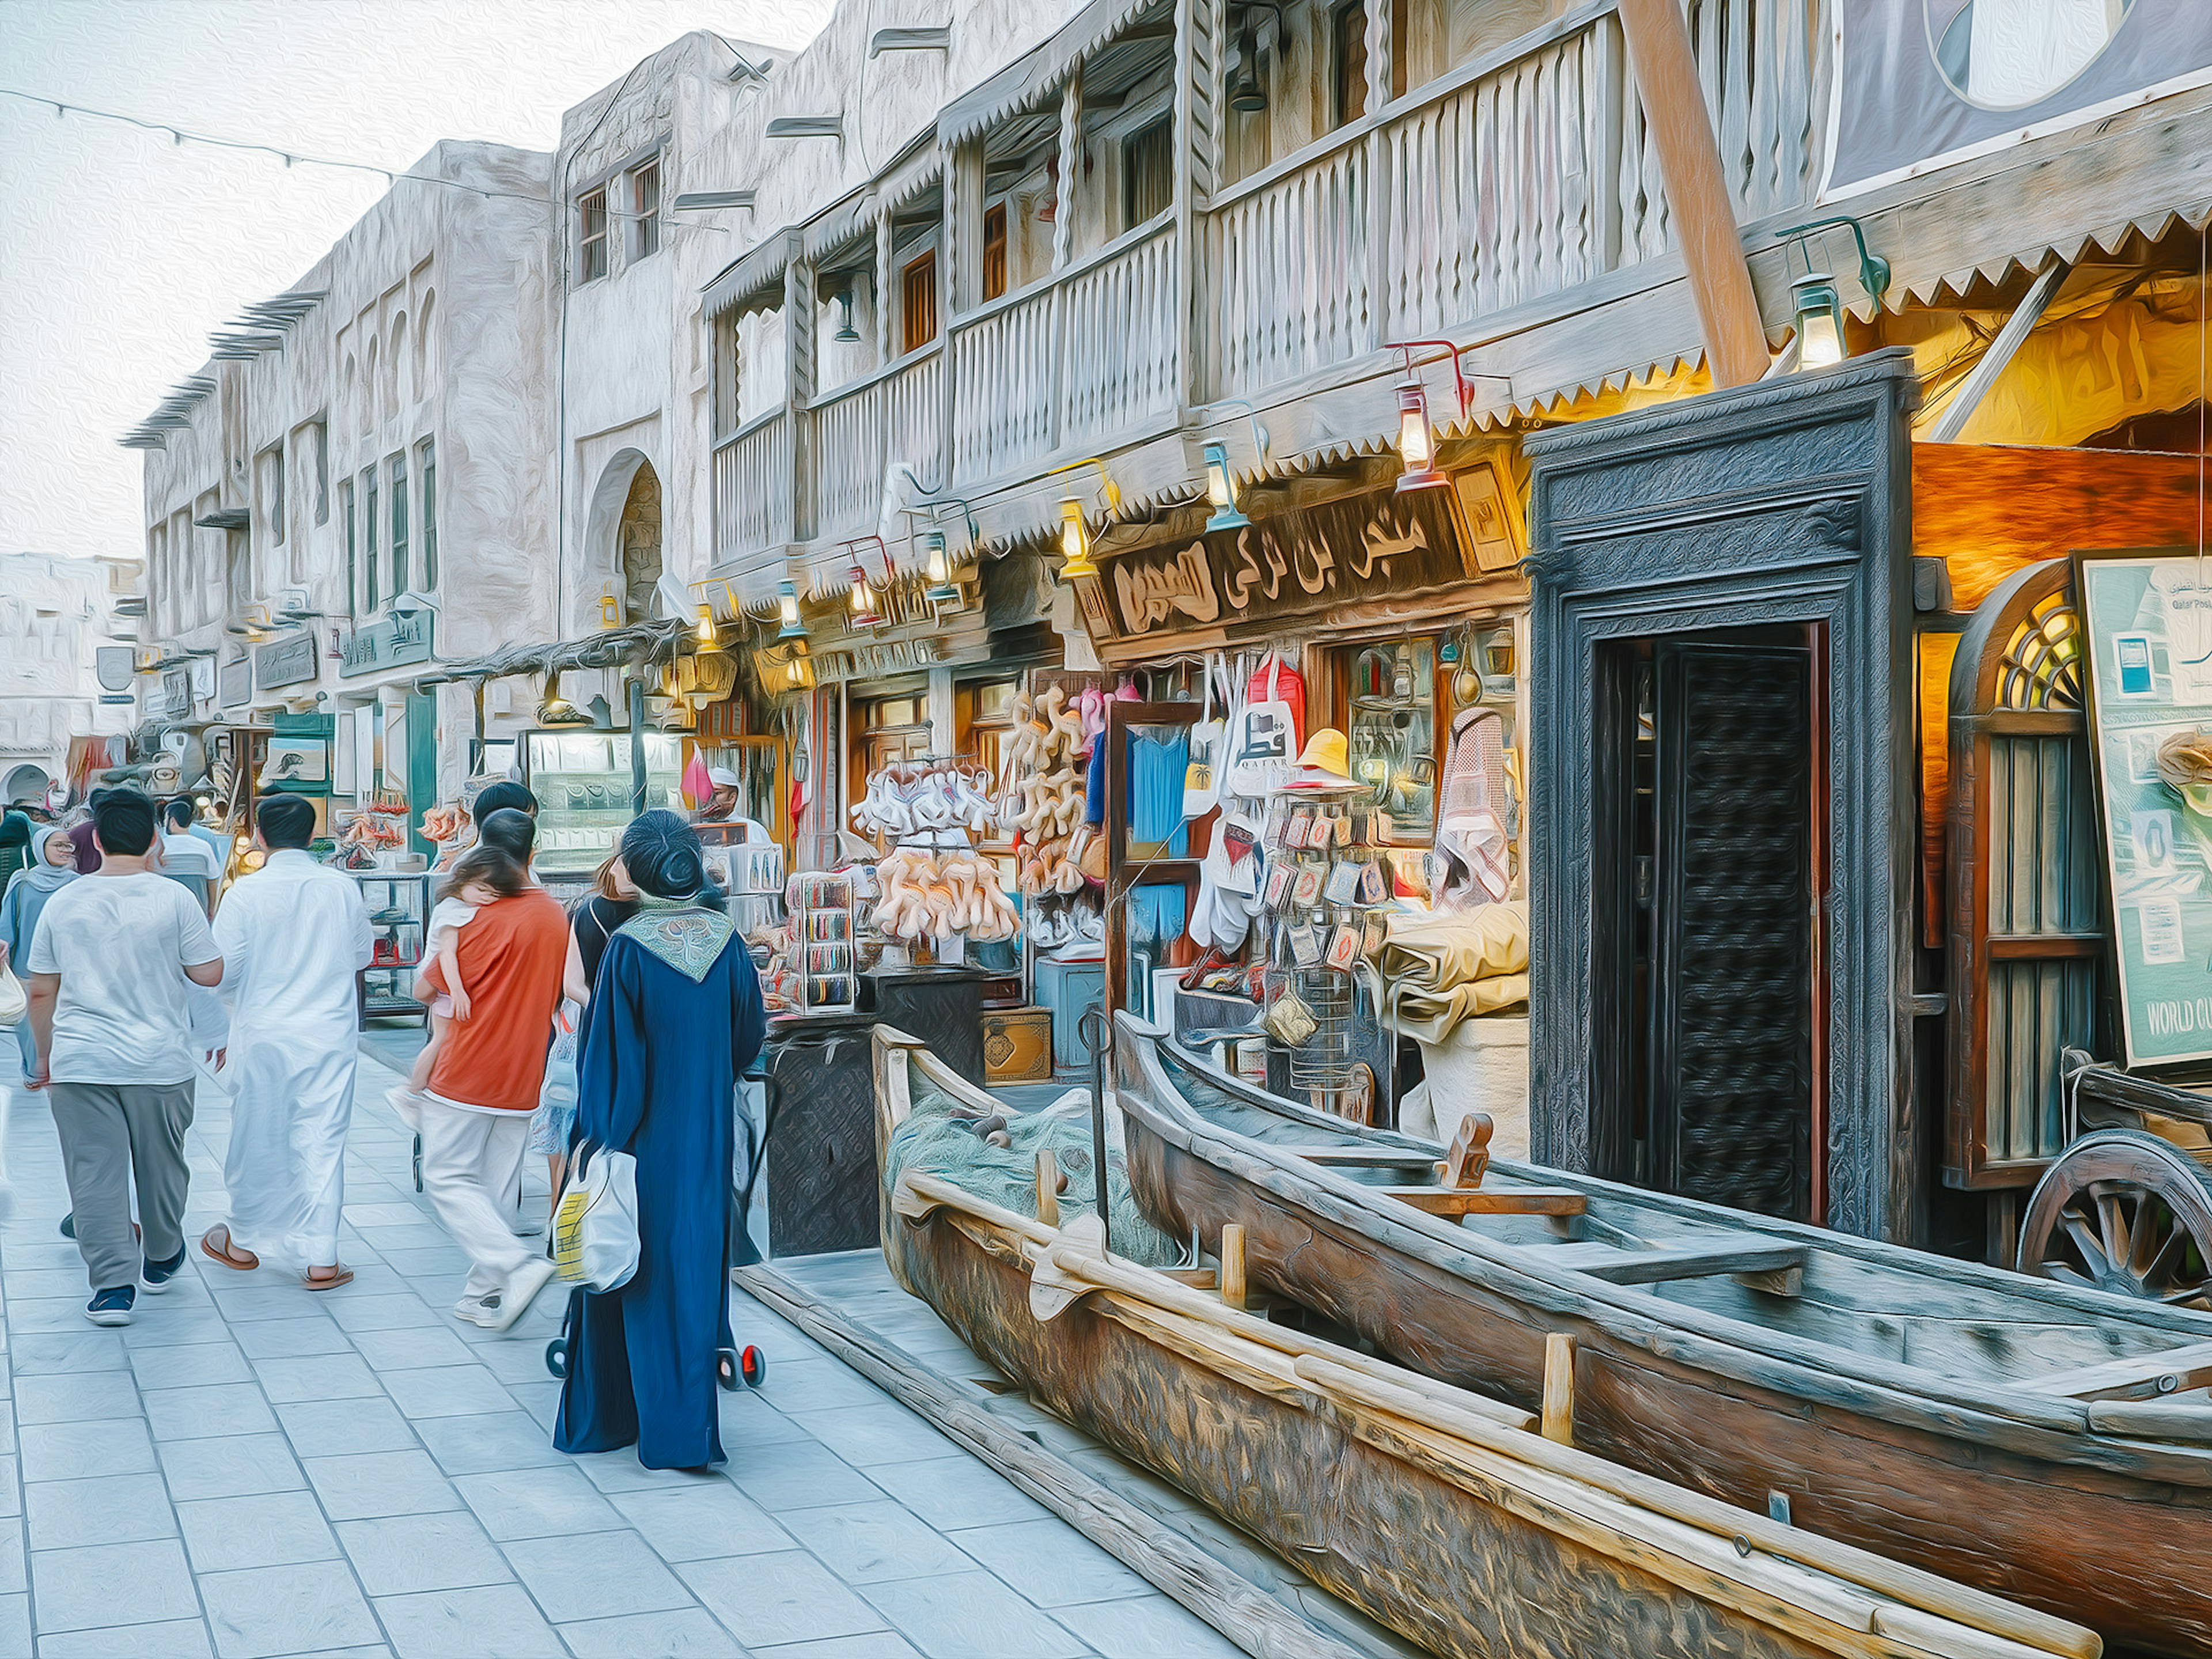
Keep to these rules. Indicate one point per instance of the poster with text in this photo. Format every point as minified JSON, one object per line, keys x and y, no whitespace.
{"x":2148,"y":618}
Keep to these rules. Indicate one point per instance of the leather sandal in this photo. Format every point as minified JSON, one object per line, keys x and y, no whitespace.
{"x":216,"y":1244}
{"x":315,"y":1279}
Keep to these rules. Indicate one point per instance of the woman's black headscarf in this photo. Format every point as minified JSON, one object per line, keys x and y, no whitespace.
{"x":663,"y":857}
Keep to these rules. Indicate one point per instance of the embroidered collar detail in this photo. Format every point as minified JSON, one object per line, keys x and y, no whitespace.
{"x":686,"y":937}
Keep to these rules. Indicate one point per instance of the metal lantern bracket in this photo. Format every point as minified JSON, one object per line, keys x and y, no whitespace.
{"x":1874,"y":270}
{"x":1460,"y":376}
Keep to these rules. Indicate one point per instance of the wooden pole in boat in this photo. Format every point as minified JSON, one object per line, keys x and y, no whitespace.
{"x":1047,"y":1187}
{"x":1098,"y":1034}
{"x":1560,"y":1388}
{"x":1233,"y":1264}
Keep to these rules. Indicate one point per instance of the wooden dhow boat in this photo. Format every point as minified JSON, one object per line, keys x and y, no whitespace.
{"x":1437,"y":1511}
{"x":2045,"y":1443}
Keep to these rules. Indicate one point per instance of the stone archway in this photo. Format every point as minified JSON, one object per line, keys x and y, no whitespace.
{"x":622,"y":539}
{"x":25,"y":782}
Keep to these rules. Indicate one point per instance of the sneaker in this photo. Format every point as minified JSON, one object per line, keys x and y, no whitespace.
{"x":112,"y":1307}
{"x":515,"y":1297}
{"x":159,"y":1275}
{"x":479,"y":1310}
{"x":69,"y":1225}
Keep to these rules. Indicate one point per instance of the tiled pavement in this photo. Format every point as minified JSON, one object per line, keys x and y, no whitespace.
{"x":250,"y":1469}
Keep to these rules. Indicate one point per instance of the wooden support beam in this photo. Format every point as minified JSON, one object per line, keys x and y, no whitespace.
{"x":2139,"y":1376}
{"x":1558,"y":1422}
{"x":2010,"y":337}
{"x":1682,"y":130}
{"x":1619,"y":1266}
{"x":1500,"y":1200}
{"x":1232,"y":1265}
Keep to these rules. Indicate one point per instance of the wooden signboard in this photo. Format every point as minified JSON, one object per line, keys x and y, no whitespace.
{"x":2147,"y":617}
{"x":1314,"y":559}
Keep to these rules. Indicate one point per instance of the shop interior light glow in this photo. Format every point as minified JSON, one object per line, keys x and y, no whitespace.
{"x":1074,"y":543}
{"x":1221,"y":490}
{"x":786,"y":605}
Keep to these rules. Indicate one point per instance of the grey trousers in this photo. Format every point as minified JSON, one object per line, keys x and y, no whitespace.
{"x":109,"y":1132}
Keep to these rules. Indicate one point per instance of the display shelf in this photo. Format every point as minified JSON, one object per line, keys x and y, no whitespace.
{"x":398,"y":905}
{"x":583,"y":784}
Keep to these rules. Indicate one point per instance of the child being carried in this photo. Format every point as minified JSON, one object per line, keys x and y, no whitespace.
{"x":480,"y":875}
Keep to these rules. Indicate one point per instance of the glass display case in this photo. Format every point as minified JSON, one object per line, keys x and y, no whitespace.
{"x":582,"y":783}
{"x":1393,"y":734}
{"x":398,"y":906}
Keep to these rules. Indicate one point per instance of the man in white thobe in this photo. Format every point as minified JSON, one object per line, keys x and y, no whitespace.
{"x":296,"y":935}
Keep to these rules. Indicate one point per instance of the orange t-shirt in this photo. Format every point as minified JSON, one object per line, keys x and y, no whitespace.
{"x":511,"y":954}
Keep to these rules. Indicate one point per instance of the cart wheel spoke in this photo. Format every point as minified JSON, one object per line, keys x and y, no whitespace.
{"x":2125,"y":1213}
{"x":2112,"y":1226}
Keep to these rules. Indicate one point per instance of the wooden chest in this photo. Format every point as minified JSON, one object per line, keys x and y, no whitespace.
{"x":1017,"y":1045}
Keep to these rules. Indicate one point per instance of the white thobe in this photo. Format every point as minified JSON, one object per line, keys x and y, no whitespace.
{"x":294,"y":935}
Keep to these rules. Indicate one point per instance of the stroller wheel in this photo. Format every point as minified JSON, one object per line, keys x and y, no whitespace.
{"x":725,"y":1369}
{"x":418,"y":1163}
{"x":734,"y":1367}
{"x":556,"y":1355}
{"x":752,"y":1366}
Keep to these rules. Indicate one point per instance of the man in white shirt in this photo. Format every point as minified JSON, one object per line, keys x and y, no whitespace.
{"x":294,"y":935}
{"x":721,"y":806}
{"x":111,"y":970}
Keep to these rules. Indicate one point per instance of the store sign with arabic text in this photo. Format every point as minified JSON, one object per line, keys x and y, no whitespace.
{"x":403,"y":637}
{"x":1309,"y":560}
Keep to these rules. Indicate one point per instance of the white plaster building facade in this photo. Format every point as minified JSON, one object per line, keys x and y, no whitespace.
{"x":55,"y":613}
{"x":357,"y":485}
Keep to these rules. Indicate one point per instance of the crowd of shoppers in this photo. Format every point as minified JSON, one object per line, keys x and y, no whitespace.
{"x":624,"y":1026}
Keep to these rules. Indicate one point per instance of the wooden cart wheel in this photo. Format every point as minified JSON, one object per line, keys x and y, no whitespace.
{"x":2123,"y":1212}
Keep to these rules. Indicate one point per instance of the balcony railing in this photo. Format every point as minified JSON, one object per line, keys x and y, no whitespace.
{"x":1078,"y":361}
{"x":1498,"y":188}
{"x":753,"y":488}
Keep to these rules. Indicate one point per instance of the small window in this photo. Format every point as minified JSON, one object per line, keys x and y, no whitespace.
{"x":369,"y":539}
{"x":1349,"y":25}
{"x":645,"y":202}
{"x":273,"y":492}
{"x":592,"y":235}
{"x":918,"y":303}
{"x":1147,"y":171}
{"x":352,"y":548}
{"x":321,"y":437}
{"x":427,"y":463}
{"x":398,"y":525}
{"x":1401,"y":47}
{"x":995,"y":251}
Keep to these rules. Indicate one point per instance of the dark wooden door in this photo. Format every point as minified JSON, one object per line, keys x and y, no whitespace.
{"x":1732,"y":998}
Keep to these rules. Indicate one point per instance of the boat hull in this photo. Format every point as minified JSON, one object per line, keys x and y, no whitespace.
{"x":1456,"y":1575}
{"x":2128,"y":1554}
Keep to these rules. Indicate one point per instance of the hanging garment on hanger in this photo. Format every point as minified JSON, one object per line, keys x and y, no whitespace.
{"x":1470,"y":812}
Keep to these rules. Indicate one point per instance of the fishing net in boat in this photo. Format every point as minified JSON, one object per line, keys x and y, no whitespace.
{"x":939,"y":1138}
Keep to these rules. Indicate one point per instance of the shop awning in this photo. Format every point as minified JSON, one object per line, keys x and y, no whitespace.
{"x":649,"y":642}
{"x":1031,"y":79}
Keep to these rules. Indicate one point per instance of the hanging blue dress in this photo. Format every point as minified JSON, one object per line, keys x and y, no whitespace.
{"x":676,"y":1015}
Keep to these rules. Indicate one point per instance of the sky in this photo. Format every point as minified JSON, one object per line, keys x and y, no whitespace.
{"x":121,"y":249}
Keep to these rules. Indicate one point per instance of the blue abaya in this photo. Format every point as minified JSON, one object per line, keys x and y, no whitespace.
{"x":657,"y":1079}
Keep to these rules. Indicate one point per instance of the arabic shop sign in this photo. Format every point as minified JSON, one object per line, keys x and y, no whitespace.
{"x":389,"y":642}
{"x":288,"y":661}
{"x":1309,"y":560}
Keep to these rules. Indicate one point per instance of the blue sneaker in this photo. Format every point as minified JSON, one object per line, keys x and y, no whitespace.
{"x":112,"y":1307}
{"x":69,"y":1225}
{"x":159,"y":1275}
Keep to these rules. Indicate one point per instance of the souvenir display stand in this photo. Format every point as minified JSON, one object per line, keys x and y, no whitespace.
{"x":822,"y":949}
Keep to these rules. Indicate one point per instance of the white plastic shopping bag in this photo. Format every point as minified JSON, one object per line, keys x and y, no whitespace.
{"x":595,"y":1228}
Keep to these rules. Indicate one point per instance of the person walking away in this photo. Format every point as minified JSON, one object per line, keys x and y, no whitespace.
{"x":111,"y":966}
{"x":481,"y":876}
{"x":518,"y":959}
{"x":186,"y":859}
{"x":675,"y":1017}
{"x":294,"y":934}
{"x":81,"y":833}
{"x":53,"y":867}
{"x":612,"y":902}
{"x":15,"y":829}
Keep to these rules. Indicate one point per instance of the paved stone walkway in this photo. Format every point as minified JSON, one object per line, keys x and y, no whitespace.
{"x":250,"y":1469}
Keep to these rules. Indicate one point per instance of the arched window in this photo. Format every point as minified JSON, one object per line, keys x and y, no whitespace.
{"x":369,"y":390}
{"x":346,"y":389}
{"x":397,"y":391}
{"x":426,"y":355}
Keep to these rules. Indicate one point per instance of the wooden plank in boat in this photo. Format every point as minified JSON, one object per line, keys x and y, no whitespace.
{"x":1619,"y":1266}
{"x":1369,"y":1157}
{"x":2139,"y":1376}
{"x":1486,"y":1200}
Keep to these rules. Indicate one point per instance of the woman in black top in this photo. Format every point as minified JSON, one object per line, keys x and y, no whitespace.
{"x":612,"y":902}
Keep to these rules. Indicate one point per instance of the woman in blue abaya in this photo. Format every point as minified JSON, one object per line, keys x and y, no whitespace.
{"x":675,"y":1016}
